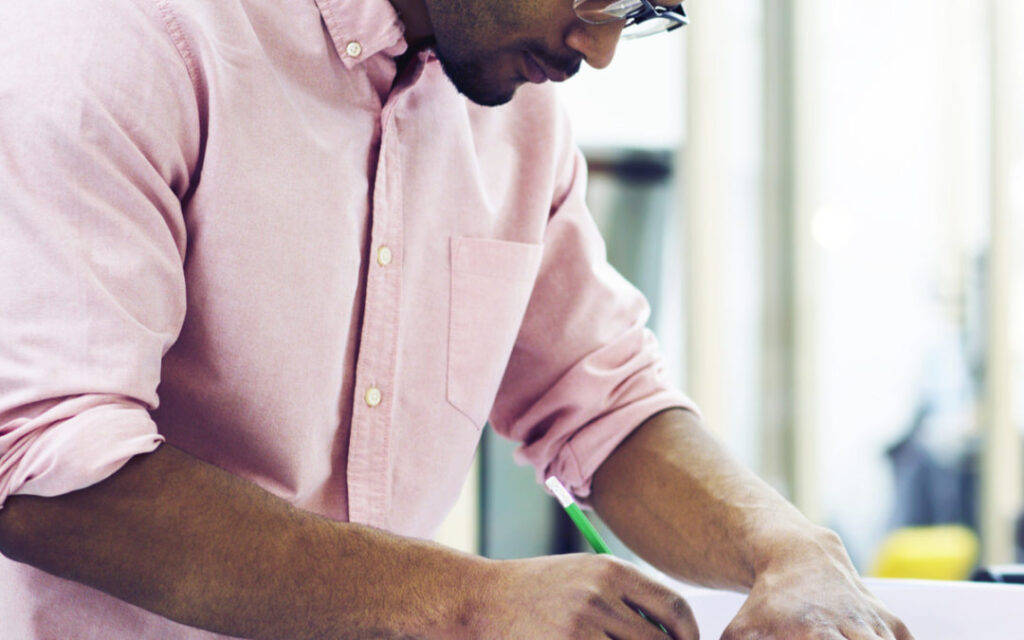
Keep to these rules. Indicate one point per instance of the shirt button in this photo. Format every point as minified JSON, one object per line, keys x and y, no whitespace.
{"x":373,"y":396}
{"x":354,"y":49}
{"x":384,"y":256}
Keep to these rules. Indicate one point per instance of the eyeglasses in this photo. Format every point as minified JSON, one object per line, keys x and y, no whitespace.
{"x":642,"y":18}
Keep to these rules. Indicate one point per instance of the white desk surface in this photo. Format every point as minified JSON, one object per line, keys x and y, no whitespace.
{"x":933,"y":610}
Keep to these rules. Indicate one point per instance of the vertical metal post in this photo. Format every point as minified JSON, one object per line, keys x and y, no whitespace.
{"x":704,"y":205}
{"x":791,"y":161}
{"x":807,"y":160}
{"x":777,"y":372}
{"x":1001,"y":475}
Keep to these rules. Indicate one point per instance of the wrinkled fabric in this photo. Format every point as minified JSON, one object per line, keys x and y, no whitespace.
{"x":226,"y":226}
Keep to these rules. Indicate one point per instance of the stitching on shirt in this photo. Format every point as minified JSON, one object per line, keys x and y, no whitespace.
{"x":335,"y":28}
{"x":177,"y":35}
{"x":373,"y":42}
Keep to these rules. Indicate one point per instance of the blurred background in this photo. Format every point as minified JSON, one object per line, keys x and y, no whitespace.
{"x":824,"y":202}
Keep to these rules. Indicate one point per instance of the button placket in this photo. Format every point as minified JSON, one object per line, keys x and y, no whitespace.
{"x":369,"y":476}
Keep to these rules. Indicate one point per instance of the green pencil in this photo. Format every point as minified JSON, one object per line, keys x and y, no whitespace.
{"x":577,"y":515}
{"x":582,"y":523}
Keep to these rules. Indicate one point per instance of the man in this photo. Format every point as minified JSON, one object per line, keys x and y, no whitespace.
{"x":337,"y":269}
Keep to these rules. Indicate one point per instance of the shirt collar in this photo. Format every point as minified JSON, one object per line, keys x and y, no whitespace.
{"x":362,"y":28}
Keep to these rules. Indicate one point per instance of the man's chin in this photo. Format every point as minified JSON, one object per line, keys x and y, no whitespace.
{"x":486,"y":96}
{"x":468,"y":82}
{"x":490,"y":99}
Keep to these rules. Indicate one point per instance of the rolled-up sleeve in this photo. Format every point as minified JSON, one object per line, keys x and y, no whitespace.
{"x":98,"y":126}
{"x":585,"y":370}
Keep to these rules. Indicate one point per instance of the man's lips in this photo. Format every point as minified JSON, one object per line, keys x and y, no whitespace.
{"x":534,"y":72}
{"x":537,"y":72}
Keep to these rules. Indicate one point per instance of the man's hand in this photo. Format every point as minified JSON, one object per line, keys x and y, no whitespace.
{"x":578,"y":597}
{"x":681,"y":502}
{"x":813,"y":598}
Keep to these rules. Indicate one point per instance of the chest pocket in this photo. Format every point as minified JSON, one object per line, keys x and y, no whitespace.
{"x":491,"y":285}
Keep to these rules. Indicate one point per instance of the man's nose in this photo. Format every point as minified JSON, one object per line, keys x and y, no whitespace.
{"x":595,"y":42}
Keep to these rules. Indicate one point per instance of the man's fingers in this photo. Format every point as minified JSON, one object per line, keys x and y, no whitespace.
{"x":668,"y":610}
{"x":635,"y":623}
{"x":661,"y":605}
{"x":899,"y":630}
{"x":877,"y":628}
{"x":881,"y":626}
{"x":865,"y":627}
{"x":751,"y":633}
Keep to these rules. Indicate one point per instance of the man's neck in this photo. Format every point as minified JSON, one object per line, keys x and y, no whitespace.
{"x":414,"y":16}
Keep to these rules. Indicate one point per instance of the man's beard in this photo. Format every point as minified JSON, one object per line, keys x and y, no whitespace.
{"x":472,"y":79}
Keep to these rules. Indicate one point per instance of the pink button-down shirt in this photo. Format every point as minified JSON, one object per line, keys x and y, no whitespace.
{"x":227,"y":225}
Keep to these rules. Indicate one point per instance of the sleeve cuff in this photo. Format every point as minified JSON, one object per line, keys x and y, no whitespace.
{"x":584,"y":454}
{"x":73,"y":444}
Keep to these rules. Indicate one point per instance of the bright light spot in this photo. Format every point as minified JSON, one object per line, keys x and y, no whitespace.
{"x":832,"y":227}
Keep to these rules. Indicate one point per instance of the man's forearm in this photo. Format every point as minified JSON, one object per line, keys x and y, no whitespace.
{"x":673,"y":494}
{"x":195,"y":544}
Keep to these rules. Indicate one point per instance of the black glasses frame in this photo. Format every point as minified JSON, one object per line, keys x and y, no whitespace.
{"x":676,"y":15}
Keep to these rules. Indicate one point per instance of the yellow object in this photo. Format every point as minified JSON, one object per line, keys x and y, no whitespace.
{"x":944,"y":552}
